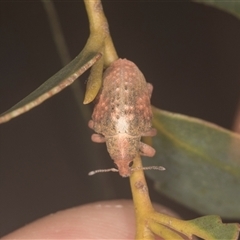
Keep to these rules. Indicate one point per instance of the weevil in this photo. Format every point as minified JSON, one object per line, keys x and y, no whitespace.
{"x":123,"y":114}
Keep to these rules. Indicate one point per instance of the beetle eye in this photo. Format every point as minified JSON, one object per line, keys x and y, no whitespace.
{"x":130,"y":164}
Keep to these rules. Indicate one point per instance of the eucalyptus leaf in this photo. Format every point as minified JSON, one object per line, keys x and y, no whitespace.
{"x":211,"y":227}
{"x":207,"y":227}
{"x":202,"y":164}
{"x":232,"y":7}
{"x":53,"y":85}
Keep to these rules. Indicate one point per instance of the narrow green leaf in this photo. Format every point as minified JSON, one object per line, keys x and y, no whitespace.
{"x":232,"y":7}
{"x":94,"y":82}
{"x":202,"y":164}
{"x":164,"y":232}
{"x":212,"y":228}
{"x":206,"y":227}
{"x":53,"y":85}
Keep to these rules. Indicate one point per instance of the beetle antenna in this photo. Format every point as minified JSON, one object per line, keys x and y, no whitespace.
{"x":159,"y":168}
{"x":102,"y":170}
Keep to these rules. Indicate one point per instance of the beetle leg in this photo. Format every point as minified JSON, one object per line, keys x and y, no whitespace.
{"x":98,"y":138}
{"x":90,"y":124}
{"x":150,"y":89}
{"x":146,"y":150}
{"x":150,"y":133}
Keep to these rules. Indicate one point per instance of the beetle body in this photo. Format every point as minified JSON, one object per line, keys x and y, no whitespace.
{"x":122,"y":114}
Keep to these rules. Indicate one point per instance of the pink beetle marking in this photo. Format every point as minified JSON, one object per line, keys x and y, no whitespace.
{"x":123,"y":114}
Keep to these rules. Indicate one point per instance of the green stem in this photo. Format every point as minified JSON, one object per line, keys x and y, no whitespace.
{"x":96,"y":17}
{"x":110,"y":53}
{"x":141,"y":199}
{"x":99,"y":31}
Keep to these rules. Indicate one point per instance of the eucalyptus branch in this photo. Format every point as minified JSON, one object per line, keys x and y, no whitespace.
{"x":100,"y":41}
{"x":99,"y":31}
{"x":141,"y":199}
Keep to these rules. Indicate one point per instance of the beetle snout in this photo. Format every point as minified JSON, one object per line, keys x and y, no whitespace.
{"x":124,"y":168}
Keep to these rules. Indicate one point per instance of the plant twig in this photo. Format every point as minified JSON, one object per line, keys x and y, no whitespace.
{"x":141,"y":199}
{"x":100,"y":30}
{"x":99,"y":36}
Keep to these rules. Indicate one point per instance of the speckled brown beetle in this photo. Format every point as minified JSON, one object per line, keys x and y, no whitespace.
{"x":122,"y":114}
